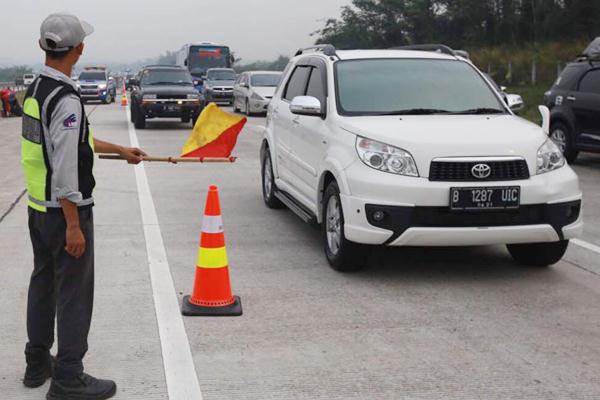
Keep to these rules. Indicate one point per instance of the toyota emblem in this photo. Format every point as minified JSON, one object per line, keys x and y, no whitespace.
{"x":481,"y":171}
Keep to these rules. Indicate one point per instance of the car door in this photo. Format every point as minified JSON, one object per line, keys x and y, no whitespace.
{"x":283,"y":125}
{"x":586,"y":107}
{"x":309,"y":136}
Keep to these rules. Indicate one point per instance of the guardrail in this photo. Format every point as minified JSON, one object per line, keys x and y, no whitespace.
{"x":13,"y":86}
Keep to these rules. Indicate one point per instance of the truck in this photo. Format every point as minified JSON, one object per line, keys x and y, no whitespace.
{"x":200,"y":57}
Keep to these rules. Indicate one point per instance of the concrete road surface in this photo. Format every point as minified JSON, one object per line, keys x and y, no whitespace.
{"x":417,"y":324}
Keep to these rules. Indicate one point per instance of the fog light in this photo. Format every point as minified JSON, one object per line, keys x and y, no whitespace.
{"x":378,"y":216}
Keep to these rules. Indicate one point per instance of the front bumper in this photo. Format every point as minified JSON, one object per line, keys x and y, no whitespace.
{"x":258,"y":106}
{"x":170,"y":109}
{"x":218,"y":97}
{"x":416,"y":211}
{"x":96,"y":95}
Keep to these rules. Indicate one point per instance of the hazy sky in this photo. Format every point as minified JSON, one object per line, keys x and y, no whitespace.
{"x":129,"y":30}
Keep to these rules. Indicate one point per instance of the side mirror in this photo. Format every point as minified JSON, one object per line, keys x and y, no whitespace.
{"x":515,"y":102}
{"x":503,"y":88}
{"x":545,"y":112}
{"x":306,"y":105}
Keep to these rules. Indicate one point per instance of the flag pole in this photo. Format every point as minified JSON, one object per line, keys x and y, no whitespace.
{"x":174,"y":160}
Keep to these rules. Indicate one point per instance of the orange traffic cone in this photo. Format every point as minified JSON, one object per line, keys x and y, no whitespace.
{"x":124,"y":95}
{"x":212,"y":289}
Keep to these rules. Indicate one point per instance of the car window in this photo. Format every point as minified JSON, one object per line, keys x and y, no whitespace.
{"x":166,"y":77}
{"x":568,"y":77}
{"x":397,"y":86}
{"x":590,"y":83}
{"x":316,"y":87}
{"x":296,"y":85}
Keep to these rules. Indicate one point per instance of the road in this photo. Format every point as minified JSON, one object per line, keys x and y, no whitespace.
{"x":417,"y":324}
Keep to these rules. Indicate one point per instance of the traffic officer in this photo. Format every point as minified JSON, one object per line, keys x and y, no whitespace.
{"x":57,"y":157}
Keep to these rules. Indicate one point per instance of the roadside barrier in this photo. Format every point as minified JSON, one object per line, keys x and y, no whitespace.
{"x":211,"y":296}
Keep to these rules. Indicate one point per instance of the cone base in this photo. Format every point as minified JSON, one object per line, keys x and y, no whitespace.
{"x":191,"y":310}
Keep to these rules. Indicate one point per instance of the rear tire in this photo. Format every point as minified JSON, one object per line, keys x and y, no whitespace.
{"x":538,"y":254}
{"x":562,"y":135}
{"x":268,"y":183}
{"x":342,"y":254}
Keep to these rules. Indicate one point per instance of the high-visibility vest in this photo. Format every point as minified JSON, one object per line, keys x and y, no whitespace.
{"x":36,"y":148}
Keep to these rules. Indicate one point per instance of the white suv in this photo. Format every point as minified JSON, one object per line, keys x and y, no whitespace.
{"x":413,"y":148}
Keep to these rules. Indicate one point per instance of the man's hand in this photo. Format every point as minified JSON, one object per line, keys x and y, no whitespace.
{"x":75,"y":241}
{"x":133,"y":155}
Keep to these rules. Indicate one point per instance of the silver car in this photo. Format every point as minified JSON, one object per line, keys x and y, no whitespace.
{"x":253,"y":91}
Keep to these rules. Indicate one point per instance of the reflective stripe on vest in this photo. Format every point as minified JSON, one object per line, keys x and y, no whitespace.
{"x":32,"y":153}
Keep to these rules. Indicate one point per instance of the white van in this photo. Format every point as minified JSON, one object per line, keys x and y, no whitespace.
{"x":28,"y":79}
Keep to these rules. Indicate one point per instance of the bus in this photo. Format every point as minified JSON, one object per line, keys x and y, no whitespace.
{"x":198,"y":57}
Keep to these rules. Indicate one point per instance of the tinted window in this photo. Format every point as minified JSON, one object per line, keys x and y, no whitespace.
{"x":316,"y":88}
{"x":590,"y":82}
{"x":297,"y":84}
{"x":265,"y":80}
{"x":166,"y":77}
{"x":396,"y":86}
{"x":92,"y":76}
{"x":221,"y":75}
{"x":568,"y":77}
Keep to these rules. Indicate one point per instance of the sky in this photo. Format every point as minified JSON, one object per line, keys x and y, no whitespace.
{"x":132,"y":30}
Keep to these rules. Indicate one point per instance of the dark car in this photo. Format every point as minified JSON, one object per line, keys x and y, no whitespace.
{"x":218,"y":85}
{"x":574,"y":101}
{"x":164,"y":92}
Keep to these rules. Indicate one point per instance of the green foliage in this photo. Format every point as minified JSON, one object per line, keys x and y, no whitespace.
{"x":533,"y":96}
{"x":461,"y":23}
{"x":276,"y":65}
{"x":11,"y":73}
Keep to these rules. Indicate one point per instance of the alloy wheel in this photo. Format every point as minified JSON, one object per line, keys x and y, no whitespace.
{"x":333,"y":225}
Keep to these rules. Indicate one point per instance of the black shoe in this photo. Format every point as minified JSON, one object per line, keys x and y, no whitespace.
{"x":84,"y":387}
{"x":39,"y":369}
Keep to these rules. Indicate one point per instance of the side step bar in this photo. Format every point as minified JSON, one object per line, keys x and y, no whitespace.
{"x":298,"y":209}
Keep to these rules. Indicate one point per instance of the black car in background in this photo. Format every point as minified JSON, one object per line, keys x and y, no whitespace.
{"x":574,"y":101}
{"x":161,"y":91}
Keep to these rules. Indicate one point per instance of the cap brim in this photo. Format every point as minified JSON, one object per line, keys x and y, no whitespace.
{"x":88,"y":29}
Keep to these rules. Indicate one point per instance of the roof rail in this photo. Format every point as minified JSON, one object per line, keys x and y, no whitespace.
{"x":327,"y":49}
{"x":439,"y":48}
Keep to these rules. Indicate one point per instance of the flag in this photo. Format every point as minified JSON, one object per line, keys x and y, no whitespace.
{"x":214,"y":135}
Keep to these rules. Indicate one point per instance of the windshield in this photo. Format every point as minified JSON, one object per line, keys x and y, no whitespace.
{"x":265,"y":80}
{"x":203,"y":58}
{"x":412,"y":86}
{"x":92,"y":76}
{"x":221,"y":76}
{"x":166,"y":77}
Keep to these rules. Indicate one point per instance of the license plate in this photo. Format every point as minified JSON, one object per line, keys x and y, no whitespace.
{"x":485,"y":198}
{"x":171,"y":108}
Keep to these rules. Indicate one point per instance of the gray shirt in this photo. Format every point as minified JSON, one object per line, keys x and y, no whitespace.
{"x":62,"y":146}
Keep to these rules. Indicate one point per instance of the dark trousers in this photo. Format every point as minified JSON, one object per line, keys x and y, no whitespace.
{"x":61,"y":287}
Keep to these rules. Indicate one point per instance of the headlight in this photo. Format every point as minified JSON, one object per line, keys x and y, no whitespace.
{"x":149,"y":97}
{"x":102,"y":86}
{"x":386,"y":158}
{"x":549,"y":157}
{"x":193,"y":96}
{"x":256,"y":96}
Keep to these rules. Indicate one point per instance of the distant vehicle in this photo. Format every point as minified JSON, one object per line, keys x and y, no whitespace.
{"x":28,"y":79}
{"x":254,"y":90}
{"x":574,"y":101}
{"x":413,"y":147}
{"x":198,"y":58}
{"x":218,"y":85}
{"x":164,"y":91}
{"x":94,"y":84}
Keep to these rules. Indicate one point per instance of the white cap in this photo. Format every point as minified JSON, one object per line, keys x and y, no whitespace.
{"x":62,"y":32}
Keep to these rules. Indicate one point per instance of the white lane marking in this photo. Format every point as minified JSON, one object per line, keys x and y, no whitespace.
{"x":586,"y":245}
{"x":180,"y":372}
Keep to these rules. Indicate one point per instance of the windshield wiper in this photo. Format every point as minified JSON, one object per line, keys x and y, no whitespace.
{"x":415,"y":111}
{"x":482,"y":110}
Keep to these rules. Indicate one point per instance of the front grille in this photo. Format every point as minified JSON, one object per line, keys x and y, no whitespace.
{"x":89,"y":86}
{"x":461,"y":171}
{"x":171,"y":96}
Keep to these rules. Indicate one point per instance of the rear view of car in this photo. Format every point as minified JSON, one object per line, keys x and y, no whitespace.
{"x":254,"y":90}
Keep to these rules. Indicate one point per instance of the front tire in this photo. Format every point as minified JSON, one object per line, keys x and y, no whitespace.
{"x":248,"y":112}
{"x":342,"y":254}
{"x":268,"y":183}
{"x":235,"y":107}
{"x":538,"y":254}
{"x":562,"y":135}
{"x":140,"y":119}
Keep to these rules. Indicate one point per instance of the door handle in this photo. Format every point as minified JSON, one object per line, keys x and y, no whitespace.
{"x":571,"y":98}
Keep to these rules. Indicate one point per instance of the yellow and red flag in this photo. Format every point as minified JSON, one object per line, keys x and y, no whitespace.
{"x":215,"y":134}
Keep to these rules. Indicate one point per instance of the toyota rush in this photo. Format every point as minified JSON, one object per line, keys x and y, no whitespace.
{"x":413,"y":148}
